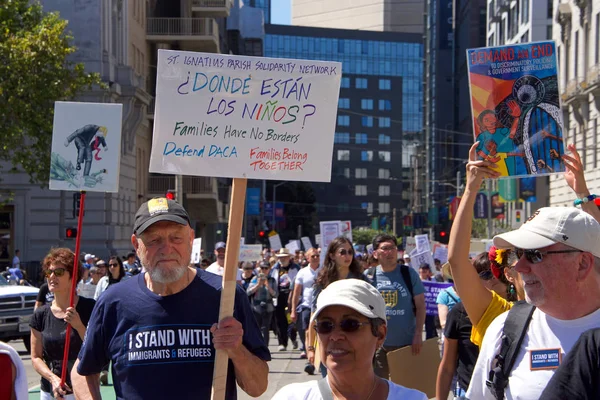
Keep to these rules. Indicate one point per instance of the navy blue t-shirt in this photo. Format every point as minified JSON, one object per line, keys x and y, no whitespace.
{"x":161,"y":347}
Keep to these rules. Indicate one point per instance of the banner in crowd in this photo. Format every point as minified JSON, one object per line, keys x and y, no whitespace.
{"x":417,"y":259}
{"x":306,"y":242}
{"x":432,"y":289}
{"x":275,"y":242}
{"x":250,"y":252}
{"x":422,"y":243}
{"x":244,"y":117}
{"x":517,"y":116}
{"x":196,"y":250}
{"x":440,"y":252}
{"x":86,"y":147}
{"x":346,"y":229}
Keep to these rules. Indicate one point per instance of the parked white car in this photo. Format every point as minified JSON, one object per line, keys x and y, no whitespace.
{"x":16,"y":308}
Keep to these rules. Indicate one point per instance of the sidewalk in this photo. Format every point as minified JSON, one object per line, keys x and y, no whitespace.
{"x":286,"y":367}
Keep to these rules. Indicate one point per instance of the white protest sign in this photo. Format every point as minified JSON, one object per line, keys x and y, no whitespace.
{"x":242,"y":240}
{"x":422,"y":243}
{"x":346,"y":229}
{"x":411,"y":244}
{"x":244,"y":117}
{"x":250,"y":252}
{"x":292,"y":246}
{"x":329,"y":231}
{"x":275,"y":242}
{"x":86,"y":147}
{"x":318,"y":240}
{"x":196,"y":250}
{"x":421,"y":258}
{"x":441,"y":253}
{"x":306,"y":242}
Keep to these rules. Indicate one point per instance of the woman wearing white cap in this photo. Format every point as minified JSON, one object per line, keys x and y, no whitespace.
{"x":351,"y":324}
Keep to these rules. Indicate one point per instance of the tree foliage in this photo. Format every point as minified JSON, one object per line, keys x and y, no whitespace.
{"x":365,"y":236}
{"x":35,"y":71}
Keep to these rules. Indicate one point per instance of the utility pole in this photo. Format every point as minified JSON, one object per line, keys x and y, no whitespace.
{"x":488,"y":184}
{"x":394,"y":221}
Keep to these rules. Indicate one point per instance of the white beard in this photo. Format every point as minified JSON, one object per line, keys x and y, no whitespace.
{"x":166,"y":275}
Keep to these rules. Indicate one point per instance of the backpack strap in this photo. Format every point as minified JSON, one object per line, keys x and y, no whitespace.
{"x":372,"y":275}
{"x":326,"y":393}
{"x":408,"y":282}
{"x":513,"y":333}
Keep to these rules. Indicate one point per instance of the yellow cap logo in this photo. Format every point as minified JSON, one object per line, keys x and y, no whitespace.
{"x":156,"y":206}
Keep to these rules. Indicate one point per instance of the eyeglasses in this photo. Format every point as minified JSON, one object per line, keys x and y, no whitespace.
{"x":113,"y":265}
{"x":348,"y":325}
{"x":388,"y":248}
{"x":486,"y":275}
{"x":265,"y":267}
{"x":344,"y":252}
{"x":536,"y":256}
{"x":57,"y":272}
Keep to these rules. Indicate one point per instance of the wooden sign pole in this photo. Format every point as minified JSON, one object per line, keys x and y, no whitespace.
{"x":232,"y":251}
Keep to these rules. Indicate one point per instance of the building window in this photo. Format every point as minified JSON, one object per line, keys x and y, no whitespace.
{"x":343,"y":120}
{"x":384,"y":173}
{"x":361,"y":138}
{"x":345,"y":82}
{"x":366,"y":104}
{"x":343,"y":103}
{"x":367,"y":121}
{"x":368,"y":207}
{"x":576,"y":56}
{"x":384,"y":122}
{"x":384,"y":208}
{"x":361,"y":83}
{"x":385,"y":156}
{"x":360,"y":173}
{"x":385,"y":84}
{"x":385,"y":105}
{"x":360,"y":190}
{"x":384,"y":190}
{"x":525,"y":13}
{"x":366,"y":155}
{"x":343,"y":155}
{"x":550,"y":9}
{"x":384,"y":139}
{"x":343,"y":207}
{"x":346,"y":172}
{"x":341,"y":138}
{"x":548,"y":33}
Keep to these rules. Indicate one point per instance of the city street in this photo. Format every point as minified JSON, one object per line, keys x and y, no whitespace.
{"x":285,"y":367}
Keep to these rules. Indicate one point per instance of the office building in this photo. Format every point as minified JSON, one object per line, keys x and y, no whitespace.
{"x":577,"y":35}
{"x":368,"y":15}
{"x":379,"y":121}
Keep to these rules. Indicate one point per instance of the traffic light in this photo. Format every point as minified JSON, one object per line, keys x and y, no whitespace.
{"x":76,"y":203}
{"x":170,"y":195}
{"x":442,"y":233}
{"x":262,"y":237}
{"x":71,"y":233}
{"x":518,"y":216}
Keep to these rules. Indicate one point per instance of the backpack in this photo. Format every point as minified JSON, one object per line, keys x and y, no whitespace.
{"x":513,"y":333}
{"x":372,"y":275}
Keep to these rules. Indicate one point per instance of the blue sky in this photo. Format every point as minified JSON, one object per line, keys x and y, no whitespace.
{"x":281,"y":12}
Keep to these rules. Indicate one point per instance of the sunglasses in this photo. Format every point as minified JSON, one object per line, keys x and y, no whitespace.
{"x":265,"y":267}
{"x":57,"y":272}
{"x":348,"y":325}
{"x":486,"y":275}
{"x":113,"y":265}
{"x":536,"y":256}
{"x":344,"y":252}
{"x":314,"y":256}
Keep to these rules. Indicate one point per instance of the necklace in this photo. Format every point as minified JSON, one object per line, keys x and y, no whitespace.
{"x":370,"y":393}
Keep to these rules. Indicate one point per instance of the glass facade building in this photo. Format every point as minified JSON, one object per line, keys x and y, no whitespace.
{"x":264,"y":5}
{"x":379,"y":121}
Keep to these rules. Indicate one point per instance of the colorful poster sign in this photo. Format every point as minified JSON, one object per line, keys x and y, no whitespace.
{"x":432,"y":289}
{"x":517,"y":117}
{"x":250,"y":252}
{"x":497,"y":206}
{"x":527,"y":189}
{"x":244,"y":117}
{"x":86,"y":147}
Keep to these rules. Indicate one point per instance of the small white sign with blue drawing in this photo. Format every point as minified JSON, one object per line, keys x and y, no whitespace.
{"x":86,"y":147}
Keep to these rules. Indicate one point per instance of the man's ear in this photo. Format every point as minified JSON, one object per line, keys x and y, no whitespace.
{"x":585,"y":266}
{"x":134,"y":242}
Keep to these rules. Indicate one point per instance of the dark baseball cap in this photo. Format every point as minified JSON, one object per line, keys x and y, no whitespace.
{"x":159,"y":209}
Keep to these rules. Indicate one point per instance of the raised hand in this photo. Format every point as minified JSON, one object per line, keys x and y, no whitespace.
{"x":574,"y":171}
{"x":515,"y":110}
{"x":478,"y":170}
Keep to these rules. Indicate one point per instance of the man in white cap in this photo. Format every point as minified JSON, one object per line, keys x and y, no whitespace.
{"x":284,"y":272}
{"x":406,"y":259}
{"x":559,"y":261}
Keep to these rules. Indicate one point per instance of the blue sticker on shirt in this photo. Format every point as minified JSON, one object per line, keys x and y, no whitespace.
{"x":545,"y":359}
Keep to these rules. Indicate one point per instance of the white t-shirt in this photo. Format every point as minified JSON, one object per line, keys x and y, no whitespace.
{"x":310,"y":391}
{"x":306,"y":277}
{"x":545,"y":332}
{"x":16,"y":262}
{"x":86,"y":289}
{"x":216,"y":269}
